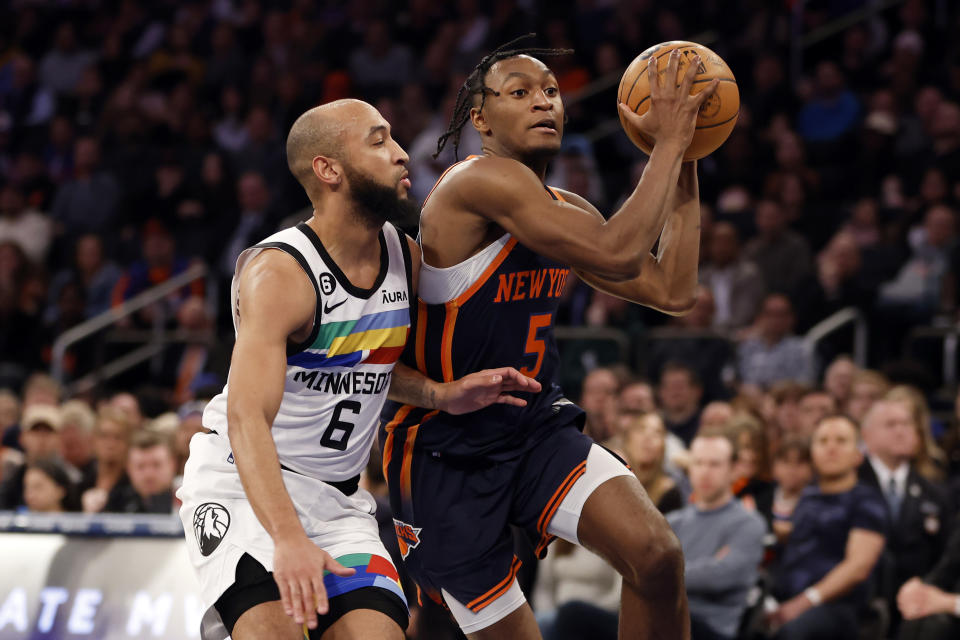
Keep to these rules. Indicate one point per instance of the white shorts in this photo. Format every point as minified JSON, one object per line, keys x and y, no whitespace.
{"x":220,"y":525}
{"x":601,"y":466}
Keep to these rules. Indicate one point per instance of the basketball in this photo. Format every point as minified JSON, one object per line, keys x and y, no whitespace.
{"x":717,"y":116}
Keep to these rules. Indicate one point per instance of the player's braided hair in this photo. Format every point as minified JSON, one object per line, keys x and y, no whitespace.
{"x":474,"y":84}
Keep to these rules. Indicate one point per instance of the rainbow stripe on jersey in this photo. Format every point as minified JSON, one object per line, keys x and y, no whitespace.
{"x":371,"y":571}
{"x":376,"y":338}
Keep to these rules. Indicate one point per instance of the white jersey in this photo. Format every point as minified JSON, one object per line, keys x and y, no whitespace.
{"x":337,"y":379}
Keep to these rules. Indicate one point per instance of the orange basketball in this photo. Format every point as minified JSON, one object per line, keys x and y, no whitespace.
{"x":718,"y":115}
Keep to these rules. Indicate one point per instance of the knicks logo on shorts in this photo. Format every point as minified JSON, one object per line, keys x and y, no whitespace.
{"x":407,"y":536}
{"x":210,"y":524}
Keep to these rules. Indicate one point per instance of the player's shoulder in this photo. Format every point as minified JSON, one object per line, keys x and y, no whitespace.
{"x":273,"y":275}
{"x":485,"y":172}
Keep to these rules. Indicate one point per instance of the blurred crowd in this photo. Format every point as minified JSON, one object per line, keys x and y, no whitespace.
{"x":140,"y":138}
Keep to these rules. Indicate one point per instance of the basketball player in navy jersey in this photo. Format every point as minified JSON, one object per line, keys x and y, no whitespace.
{"x":497,"y":247}
{"x":322,"y":310}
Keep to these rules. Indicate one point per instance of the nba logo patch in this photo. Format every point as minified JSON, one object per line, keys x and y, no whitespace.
{"x":210,"y":524}
{"x":407,"y":536}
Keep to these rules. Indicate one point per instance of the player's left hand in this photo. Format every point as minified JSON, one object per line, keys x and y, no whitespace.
{"x":484,"y":388}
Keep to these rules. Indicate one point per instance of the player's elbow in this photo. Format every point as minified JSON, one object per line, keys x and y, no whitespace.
{"x":678,"y":305}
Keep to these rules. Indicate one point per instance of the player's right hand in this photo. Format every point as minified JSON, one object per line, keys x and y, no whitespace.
{"x":298,"y":567}
{"x":481,"y":389}
{"x":672,"y":116}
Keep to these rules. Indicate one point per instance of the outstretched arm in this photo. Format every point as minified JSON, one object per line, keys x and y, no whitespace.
{"x":509,"y":194}
{"x":667,"y":280}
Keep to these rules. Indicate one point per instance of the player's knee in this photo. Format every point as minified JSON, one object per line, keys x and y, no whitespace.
{"x":656,"y":562}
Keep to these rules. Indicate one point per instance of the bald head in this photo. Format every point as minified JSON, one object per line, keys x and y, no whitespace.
{"x":321,"y":131}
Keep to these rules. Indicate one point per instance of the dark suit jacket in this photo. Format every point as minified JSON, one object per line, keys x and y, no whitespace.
{"x":946,"y":575}
{"x":918,"y":536}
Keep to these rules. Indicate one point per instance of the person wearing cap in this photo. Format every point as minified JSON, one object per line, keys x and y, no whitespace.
{"x":40,"y":439}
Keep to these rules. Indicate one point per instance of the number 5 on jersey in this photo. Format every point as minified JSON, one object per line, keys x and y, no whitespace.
{"x":535,"y":345}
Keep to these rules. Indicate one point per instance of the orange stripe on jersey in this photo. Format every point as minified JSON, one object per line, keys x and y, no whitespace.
{"x":421,"y":336}
{"x":408,"y":455}
{"x":446,"y":342}
{"x":398,"y":417}
{"x":490,"y":596}
{"x":556,"y":194}
{"x":493,"y":266}
{"x":559,"y":495}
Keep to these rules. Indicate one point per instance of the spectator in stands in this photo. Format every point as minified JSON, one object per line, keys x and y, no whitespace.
{"x":918,"y":509}
{"x":381,"y":65}
{"x":645,"y":446}
{"x":712,"y":356}
{"x":89,"y":202}
{"x":111,"y":442}
{"x":160,"y":262}
{"x":40,"y":439}
{"x":931,"y":606}
{"x":23,"y":224}
{"x":814,"y":406}
{"x":915,"y":291}
{"x":93,"y":271}
{"x":9,"y":410}
{"x":62,"y":67}
{"x":782,"y":255}
{"x":261,"y":151}
{"x":128,"y":405}
{"x":867,"y":387}
{"x":752,"y":483}
{"x":716,"y":415}
{"x":576,"y":593}
{"x":77,"y":441}
{"x":736,"y":282}
{"x":21,"y":336}
{"x":833,"y":111}
{"x":151,"y":468}
{"x":776,"y":354}
{"x":838,"y":282}
{"x":255,"y":222}
{"x":823,"y":576}
{"x":792,"y":473}
{"x":680,"y":392}
{"x":47,"y":487}
{"x":838,"y":379}
{"x":27,"y":101}
{"x":598,"y":397}
{"x":636,"y":398}
{"x":930,"y":461}
{"x":722,"y":541}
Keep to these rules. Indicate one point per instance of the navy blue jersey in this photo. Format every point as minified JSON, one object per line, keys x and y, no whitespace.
{"x":505,"y":318}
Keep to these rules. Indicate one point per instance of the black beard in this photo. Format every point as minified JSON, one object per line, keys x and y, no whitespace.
{"x":375,"y":203}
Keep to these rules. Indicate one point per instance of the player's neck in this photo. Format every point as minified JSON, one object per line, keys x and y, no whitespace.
{"x":346,"y":241}
{"x":537,"y":163}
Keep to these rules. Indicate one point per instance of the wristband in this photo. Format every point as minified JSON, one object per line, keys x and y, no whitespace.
{"x":813,"y":595}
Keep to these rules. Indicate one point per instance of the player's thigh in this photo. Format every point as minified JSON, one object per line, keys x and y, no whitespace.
{"x":364,"y":624}
{"x":619,"y":522}
{"x":266,"y":620}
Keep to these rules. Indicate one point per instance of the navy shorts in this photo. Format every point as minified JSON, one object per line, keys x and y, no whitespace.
{"x":452,"y":515}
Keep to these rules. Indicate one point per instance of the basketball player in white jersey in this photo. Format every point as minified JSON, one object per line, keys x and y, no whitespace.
{"x":276,"y":525}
